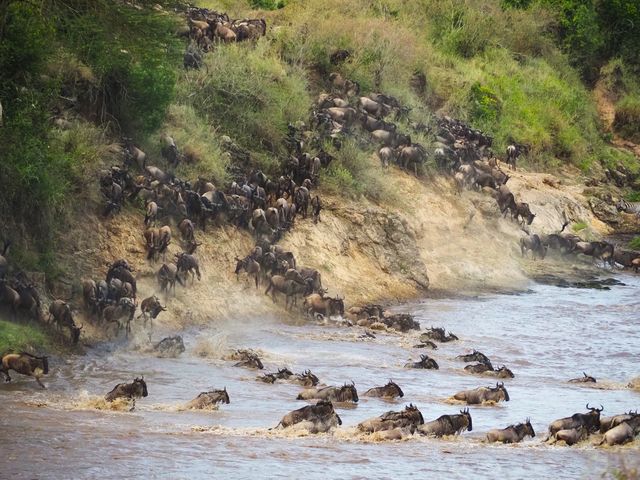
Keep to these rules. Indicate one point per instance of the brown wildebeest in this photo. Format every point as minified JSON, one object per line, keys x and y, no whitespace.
{"x":24,"y":364}
{"x":290,"y":288}
{"x":281,"y":374}
{"x":209,"y":399}
{"x":187,"y":229}
{"x":390,"y":390}
{"x":584,"y":379}
{"x":130,"y":391}
{"x":316,"y":305}
{"x":475,"y":356}
{"x":506,"y":200}
{"x":346,"y":393}
{"x":425,"y":362}
{"x":607,"y":423}
{"x":409,"y":417}
{"x":248,"y":359}
{"x":61,"y":314}
{"x":533,"y":243}
{"x":321,"y":416}
{"x":150,"y":309}
{"x":571,"y":436}
{"x":90,"y":296}
{"x":483,"y":394}
{"x":151,"y":213}
{"x":306,"y":379}
{"x":523,"y":213}
{"x":622,"y":433}
{"x":448,"y":425}
{"x":167,"y":276}
{"x":438,"y":334}
{"x":316,"y":207}
{"x":249,"y":265}
{"x":591,"y":421}
{"x":152,"y":241}
{"x":121,"y":314}
{"x":511,"y":434}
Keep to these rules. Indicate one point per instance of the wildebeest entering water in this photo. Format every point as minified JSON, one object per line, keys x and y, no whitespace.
{"x":590,"y":421}
{"x":130,"y":391}
{"x":409,"y":417}
{"x":209,"y":399}
{"x":321,"y":417}
{"x":483,"y":394}
{"x":346,"y":393}
{"x":24,"y":364}
{"x":448,"y":425}
{"x":425,"y":362}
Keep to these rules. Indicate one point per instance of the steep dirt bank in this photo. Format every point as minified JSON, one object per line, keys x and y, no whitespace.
{"x":426,"y":238}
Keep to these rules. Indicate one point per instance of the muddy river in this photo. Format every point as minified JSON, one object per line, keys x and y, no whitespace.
{"x":546,"y":336}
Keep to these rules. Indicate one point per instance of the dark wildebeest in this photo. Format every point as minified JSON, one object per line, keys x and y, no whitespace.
{"x":170,"y":346}
{"x":24,"y":364}
{"x":511,"y":434}
{"x":122,"y":272}
{"x":188,"y":264}
{"x":249,"y":265}
{"x":485,"y":180}
{"x":607,"y":423}
{"x":591,"y":421}
{"x":209,"y":399}
{"x":584,"y":379}
{"x":533,"y":243}
{"x":475,"y":356}
{"x":60,"y":312}
{"x":483,"y":394}
{"x":10,"y":297}
{"x":290,"y":288}
{"x":448,"y":425}
{"x":478,"y":368}
{"x":409,"y":417}
{"x":346,"y":393}
{"x":130,"y":391}
{"x":316,"y":207}
{"x":506,"y":200}
{"x":438,"y":334}
{"x":390,"y":390}
{"x":523,"y":213}
{"x":306,"y":379}
{"x":570,"y":436}
{"x":315,"y":305}
{"x":623,"y":432}
{"x":322,"y":417}
{"x":425,"y":362}
{"x":90,"y":296}
{"x":187,"y":229}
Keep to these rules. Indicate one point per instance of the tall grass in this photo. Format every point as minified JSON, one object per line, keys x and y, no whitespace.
{"x":18,"y":337}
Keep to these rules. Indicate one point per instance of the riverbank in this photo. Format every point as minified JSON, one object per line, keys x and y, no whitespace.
{"x":19,"y":337}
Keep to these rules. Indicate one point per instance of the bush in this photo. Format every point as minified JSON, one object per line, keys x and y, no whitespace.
{"x":268,"y":4}
{"x":627,"y":119}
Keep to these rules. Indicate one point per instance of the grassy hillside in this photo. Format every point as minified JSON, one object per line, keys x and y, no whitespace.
{"x":19,"y":337}
{"x":76,"y":75}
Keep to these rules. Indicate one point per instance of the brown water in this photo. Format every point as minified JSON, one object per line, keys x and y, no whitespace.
{"x":546,"y":336}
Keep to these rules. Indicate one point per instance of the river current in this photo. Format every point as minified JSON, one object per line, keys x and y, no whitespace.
{"x":546,"y":336}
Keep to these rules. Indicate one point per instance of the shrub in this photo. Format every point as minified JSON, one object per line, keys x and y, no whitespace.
{"x":627,"y":119}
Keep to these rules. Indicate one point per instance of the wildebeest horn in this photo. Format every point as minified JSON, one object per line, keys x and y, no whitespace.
{"x":588,"y":407}
{"x":585,"y":374}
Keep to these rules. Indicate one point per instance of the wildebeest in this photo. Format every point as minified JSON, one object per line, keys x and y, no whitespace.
{"x":170,"y":346}
{"x":483,"y":394}
{"x":409,"y":417}
{"x":130,"y":391}
{"x":315,"y":305}
{"x":90,"y":296}
{"x":10,"y":297}
{"x":523,"y":213}
{"x":306,"y":379}
{"x":533,"y":243}
{"x":591,"y":421}
{"x":24,"y":364}
{"x":291,"y":288}
{"x":281,"y":374}
{"x":511,"y":434}
{"x":623,"y":432}
{"x":390,"y":390}
{"x":448,"y":425}
{"x":513,"y":152}
{"x":121,"y":314}
{"x":475,"y":356}
{"x":501,"y":372}
{"x":60,"y":312}
{"x":188,"y":264}
{"x":438,"y":334}
{"x":425,"y":362}
{"x":167,"y":276}
{"x":249,"y":265}
{"x":607,"y":423}
{"x":151,"y":213}
{"x":571,"y":436}
{"x":122,"y":271}
{"x":584,"y":379}
{"x":248,"y":359}
{"x":345,"y":393}
{"x":321,"y":417}
{"x":187,"y":229}
{"x":478,"y":368}
{"x":150,"y":309}
{"x":209,"y":399}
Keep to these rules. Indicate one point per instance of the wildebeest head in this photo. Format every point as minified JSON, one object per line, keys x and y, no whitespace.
{"x":140,"y":386}
{"x":504,"y":372}
{"x":394,"y":389}
{"x":413,"y":411}
{"x":467,"y":415}
{"x":500,"y":388}
{"x":528,"y":429}
{"x":349,"y":393}
{"x":225,"y":396}
{"x":310,"y":377}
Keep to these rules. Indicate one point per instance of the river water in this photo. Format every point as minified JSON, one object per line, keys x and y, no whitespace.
{"x":546,"y":336}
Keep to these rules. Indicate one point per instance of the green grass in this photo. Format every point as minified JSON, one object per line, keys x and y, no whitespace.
{"x":20,"y":337}
{"x":578,"y":226}
{"x":634,"y":244}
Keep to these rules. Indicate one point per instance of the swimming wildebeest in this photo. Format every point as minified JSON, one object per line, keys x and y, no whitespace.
{"x":131,"y":391}
{"x":475,"y":356}
{"x":281,"y":374}
{"x":209,"y":399}
{"x":425,"y":362}
{"x":623,"y":432}
{"x":346,"y":393}
{"x":321,"y":417}
{"x":591,"y":421}
{"x":306,"y":379}
{"x":501,"y":372}
{"x":511,"y":434}
{"x":438,"y":334}
{"x":570,"y":436}
{"x":448,"y":424}
{"x":24,"y":364}
{"x":584,"y":379}
{"x":483,"y":394}
{"x":60,"y":312}
{"x":409,"y":417}
{"x":607,"y":423}
{"x":390,"y":390}
{"x":170,"y":346}
{"x":478,"y":368}
{"x":248,"y":359}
